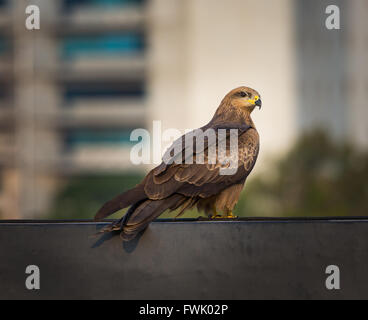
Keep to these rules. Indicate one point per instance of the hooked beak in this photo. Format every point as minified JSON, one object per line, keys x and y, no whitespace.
{"x":258,"y":103}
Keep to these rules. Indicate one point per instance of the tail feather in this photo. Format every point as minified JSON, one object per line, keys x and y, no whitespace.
{"x":121,"y":201}
{"x":118,"y":225}
{"x":145,"y":213}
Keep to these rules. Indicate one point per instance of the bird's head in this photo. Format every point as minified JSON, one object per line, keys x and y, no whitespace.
{"x":244,"y":98}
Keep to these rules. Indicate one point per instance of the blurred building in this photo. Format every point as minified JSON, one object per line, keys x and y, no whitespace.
{"x":331,"y":70}
{"x":71,"y":92}
{"x":70,"y":95}
{"x":357,"y":71}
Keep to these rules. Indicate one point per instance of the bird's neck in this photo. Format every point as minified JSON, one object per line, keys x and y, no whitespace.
{"x":248,"y":120}
{"x":233,"y":115}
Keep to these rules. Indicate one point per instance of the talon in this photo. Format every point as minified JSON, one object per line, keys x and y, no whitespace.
{"x":216,"y":216}
{"x":231,"y":216}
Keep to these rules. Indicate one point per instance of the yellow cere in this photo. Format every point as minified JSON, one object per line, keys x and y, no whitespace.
{"x":254,"y":100}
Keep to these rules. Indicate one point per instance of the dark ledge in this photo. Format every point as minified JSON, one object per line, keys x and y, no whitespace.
{"x":241,"y":219}
{"x":246,"y":258}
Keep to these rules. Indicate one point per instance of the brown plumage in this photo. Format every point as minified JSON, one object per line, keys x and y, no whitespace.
{"x":173,"y":185}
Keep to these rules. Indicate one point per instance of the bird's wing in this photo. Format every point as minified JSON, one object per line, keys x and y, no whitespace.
{"x":179,"y":150}
{"x":203,"y":180}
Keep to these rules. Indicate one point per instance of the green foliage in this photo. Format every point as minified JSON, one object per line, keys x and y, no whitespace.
{"x":318,"y":177}
{"x":82,"y":196}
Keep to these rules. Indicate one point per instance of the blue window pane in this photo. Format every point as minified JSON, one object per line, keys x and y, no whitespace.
{"x":88,"y":137}
{"x":69,"y":4}
{"x":3,"y":46}
{"x":102,"y":45}
{"x":104,"y":90}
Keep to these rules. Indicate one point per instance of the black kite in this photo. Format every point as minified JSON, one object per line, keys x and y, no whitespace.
{"x":174,"y":185}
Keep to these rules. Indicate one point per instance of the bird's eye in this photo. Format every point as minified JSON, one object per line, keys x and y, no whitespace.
{"x":243,"y":94}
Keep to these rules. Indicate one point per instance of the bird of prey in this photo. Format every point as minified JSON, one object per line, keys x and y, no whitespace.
{"x":186,"y":184}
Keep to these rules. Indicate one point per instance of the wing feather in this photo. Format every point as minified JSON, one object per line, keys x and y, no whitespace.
{"x":202,"y":180}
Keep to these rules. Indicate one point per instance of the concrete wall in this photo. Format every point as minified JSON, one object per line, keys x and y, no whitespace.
{"x":249,"y":259}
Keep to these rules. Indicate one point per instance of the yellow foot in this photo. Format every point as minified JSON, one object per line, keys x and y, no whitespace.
{"x":216,"y":216}
{"x":230,"y":216}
